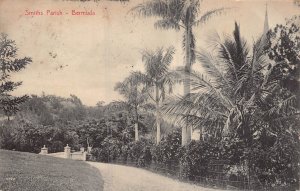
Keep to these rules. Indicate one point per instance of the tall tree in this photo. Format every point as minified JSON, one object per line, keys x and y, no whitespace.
{"x":237,"y":96}
{"x":284,"y":48}
{"x":179,"y":14}
{"x":134,"y":98}
{"x":231,"y":82}
{"x":9,"y":63}
{"x":157,"y":79}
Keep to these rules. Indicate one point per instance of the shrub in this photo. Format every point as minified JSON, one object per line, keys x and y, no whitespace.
{"x":196,"y":157}
{"x":110,"y":150}
{"x":124,"y":153}
{"x":25,"y":136}
{"x":273,"y":161}
{"x":278,"y":165}
{"x":6,"y":138}
{"x":169,"y":149}
{"x":139,"y":152}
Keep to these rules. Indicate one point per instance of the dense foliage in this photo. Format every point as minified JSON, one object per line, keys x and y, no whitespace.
{"x":247,"y":103}
{"x":169,"y":149}
{"x":196,"y":158}
{"x":54,"y":121}
{"x":9,"y":64}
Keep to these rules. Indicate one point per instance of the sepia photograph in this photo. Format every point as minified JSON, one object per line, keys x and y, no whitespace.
{"x":149,"y":95}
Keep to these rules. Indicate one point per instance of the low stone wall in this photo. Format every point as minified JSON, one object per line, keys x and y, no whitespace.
{"x":81,"y":155}
{"x":58,"y":155}
{"x":78,"y":156}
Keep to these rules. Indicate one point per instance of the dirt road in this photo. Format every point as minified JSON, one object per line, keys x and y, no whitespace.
{"x":124,"y":178}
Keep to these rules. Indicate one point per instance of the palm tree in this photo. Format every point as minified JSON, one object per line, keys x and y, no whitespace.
{"x":157,"y":79}
{"x":134,"y":98}
{"x":240,"y":98}
{"x":179,"y":14}
{"x":236,"y":95}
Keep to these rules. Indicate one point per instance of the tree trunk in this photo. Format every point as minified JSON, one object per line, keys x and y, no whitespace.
{"x":136,"y":125}
{"x":136,"y":131}
{"x":183,"y":135}
{"x":186,"y":130}
{"x":157,"y":116}
{"x":201,"y":134}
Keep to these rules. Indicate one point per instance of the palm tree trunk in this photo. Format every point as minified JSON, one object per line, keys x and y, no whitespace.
{"x":201,"y":134}
{"x":186,"y":130}
{"x":136,"y":131}
{"x":136,"y":125}
{"x":157,"y":116}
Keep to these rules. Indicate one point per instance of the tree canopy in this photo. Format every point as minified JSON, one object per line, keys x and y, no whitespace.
{"x":9,"y":64}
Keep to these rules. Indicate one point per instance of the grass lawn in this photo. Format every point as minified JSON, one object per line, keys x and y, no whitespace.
{"x":26,"y":171}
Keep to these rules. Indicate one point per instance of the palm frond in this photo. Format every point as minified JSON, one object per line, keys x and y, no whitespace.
{"x":288,"y":104}
{"x":200,"y":82}
{"x":225,"y":50}
{"x":259,"y":59}
{"x":209,"y":14}
{"x":168,"y":57}
{"x":166,"y":24}
{"x":211,"y":66}
{"x":151,"y":8}
{"x":142,"y":78}
{"x":178,"y":109}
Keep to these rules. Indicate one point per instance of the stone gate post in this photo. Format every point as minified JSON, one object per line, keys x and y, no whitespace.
{"x":44,"y":150}
{"x":89,"y":149}
{"x":81,"y":149}
{"x":68,"y":152}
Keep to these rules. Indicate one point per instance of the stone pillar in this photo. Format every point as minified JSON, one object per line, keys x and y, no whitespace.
{"x":84,"y":156}
{"x":89,"y":149}
{"x":68,"y":152}
{"x":81,"y":149}
{"x":44,"y":150}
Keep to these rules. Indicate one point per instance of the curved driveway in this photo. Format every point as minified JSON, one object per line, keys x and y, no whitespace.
{"x":124,"y":178}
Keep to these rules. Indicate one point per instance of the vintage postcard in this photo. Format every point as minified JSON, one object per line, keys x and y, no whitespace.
{"x":149,"y":95}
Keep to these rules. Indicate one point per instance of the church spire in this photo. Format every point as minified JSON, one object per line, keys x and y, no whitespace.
{"x":266,"y":24}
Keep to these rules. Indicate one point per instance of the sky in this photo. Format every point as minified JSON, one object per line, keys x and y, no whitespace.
{"x":87,"y":55}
